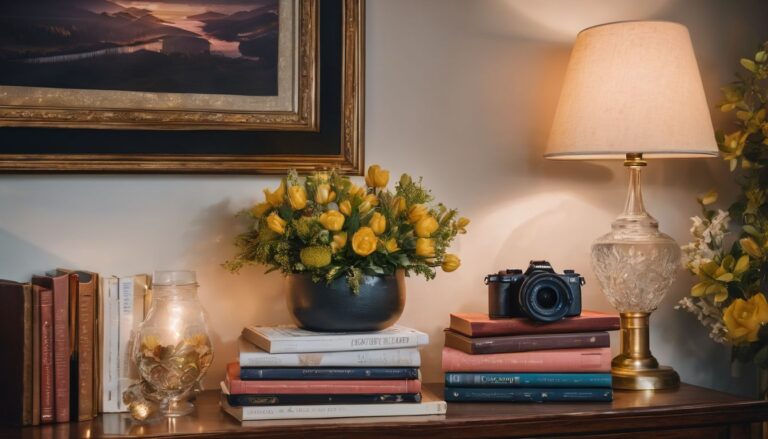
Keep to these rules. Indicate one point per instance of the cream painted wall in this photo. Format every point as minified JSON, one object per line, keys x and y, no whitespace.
{"x":461,"y":92}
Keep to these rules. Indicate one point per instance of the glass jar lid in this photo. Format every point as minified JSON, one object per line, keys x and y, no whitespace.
{"x":174,"y":278}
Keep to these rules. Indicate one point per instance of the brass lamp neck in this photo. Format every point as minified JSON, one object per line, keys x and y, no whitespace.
{"x":635,"y":159}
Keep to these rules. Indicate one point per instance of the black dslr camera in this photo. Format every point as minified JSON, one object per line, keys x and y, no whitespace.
{"x":539,"y":293}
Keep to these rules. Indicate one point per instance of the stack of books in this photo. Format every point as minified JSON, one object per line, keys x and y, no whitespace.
{"x":290,"y":373}
{"x":518,"y":359}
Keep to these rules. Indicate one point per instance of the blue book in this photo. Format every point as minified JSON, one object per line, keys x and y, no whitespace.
{"x":465,"y":394}
{"x":548,"y":380}
{"x":328,"y":373}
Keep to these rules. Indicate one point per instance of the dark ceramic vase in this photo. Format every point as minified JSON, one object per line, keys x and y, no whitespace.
{"x":335,"y":308}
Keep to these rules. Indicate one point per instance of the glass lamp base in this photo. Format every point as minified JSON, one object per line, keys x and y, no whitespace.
{"x":177,"y":407}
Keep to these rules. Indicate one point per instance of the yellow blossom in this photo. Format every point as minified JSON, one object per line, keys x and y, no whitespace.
{"x":751,"y":248}
{"x":425,"y":247}
{"x":377,"y":177}
{"x":339,"y":241}
{"x":398,"y":205}
{"x":315,"y":256}
{"x":332,"y":220}
{"x":275,"y":223}
{"x":260,"y":209}
{"x":345,"y":207}
{"x":426,"y":226}
{"x":324,"y":194}
{"x":462,"y":224}
{"x":276,"y":198}
{"x":743,"y":318}
{"x":364,"y":241}
{"x":356,"y":191}
{"x":369,"y":201}
{"x":297,"y":196}
{"x":451,"y":262}
{"x":391,"y":245}
{"x":377,"y":223}
{"x":417,"y":212}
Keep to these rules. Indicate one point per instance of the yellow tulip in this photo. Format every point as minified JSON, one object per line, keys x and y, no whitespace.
{"x":364,"y":241}
{"x":275,"y":223}
{"x":391,"y":245}
{"x":260,"y":209}
{"x":297,"y":196}
{"x":324,"y":194}
{"x":425,"y":247}
{"x":377,"y":177}
{"x":462,"y":224}
{"x":398,"y":205}
{"x":332,"y":220}
{"x":451,"y":262}
{"x":356,"y":191}
{"x":345,"y":207}
{"x":276,"y":198}
{"x":322,"y":177}
{"x":315,"y":256}
{"x":339,"y":241}
{"x":377,"y":223}
{"x":743,"y":318}
{"x":426,"y":227}
{"x":369,"y":201}
{"x":417,"y":212}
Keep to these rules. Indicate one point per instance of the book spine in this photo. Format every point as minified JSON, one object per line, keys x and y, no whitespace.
{"x":524,"y":343}
{"x":110,"y":399}
{"x":266,"y":400}
{"x":125,"y":313}
{"x":335,"y":344}
{"x":519,"y":326}
{"x":542,"y":380}
{"x":563,"y":360}
{"x":61,"y":350}
{"x":237,"y":386}
{"x":85,"y":359}
{"x":460,"y":394}
{"x":376,"y":358}
{"x":341,"y":411}
{"x":46,"y":354}
{"x":378,"y":373}
{"x":26,"y":416}
{"x":36,"y":353}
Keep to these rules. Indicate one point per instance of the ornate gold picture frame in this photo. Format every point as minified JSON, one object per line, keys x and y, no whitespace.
{"x":323,"y":129}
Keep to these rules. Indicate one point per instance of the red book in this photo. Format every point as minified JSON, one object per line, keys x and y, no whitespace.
{"x":237,"y":386}
{"x":480,"y":325}
{"x":46,"y":356}
{"x":59,"y":285}
{"x":558,"y":360}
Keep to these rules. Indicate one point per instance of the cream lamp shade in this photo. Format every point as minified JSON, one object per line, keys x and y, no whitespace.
{"x":632,"y":87}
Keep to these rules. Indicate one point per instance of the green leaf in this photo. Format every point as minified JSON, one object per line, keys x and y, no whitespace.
{"x":748,"y":64}
{"x":751,"y":230}
{"x":699,"y":289}
{"x":708,"y":198}
{"x":726,"y":277}
{"x":741,"y":265}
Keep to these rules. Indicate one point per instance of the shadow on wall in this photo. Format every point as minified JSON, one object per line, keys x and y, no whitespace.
{"x":38,"y":260}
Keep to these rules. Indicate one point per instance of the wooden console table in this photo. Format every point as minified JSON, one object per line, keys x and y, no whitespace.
{"x":689,"y":412}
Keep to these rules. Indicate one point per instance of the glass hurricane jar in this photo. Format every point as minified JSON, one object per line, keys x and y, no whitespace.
{"x":173,"y":350}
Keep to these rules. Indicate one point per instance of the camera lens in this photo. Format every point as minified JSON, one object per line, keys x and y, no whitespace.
{"x":545,"y":297}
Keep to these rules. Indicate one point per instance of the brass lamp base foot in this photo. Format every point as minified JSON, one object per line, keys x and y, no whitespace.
{"x":635,"y":368}
{"x":650,"y":379}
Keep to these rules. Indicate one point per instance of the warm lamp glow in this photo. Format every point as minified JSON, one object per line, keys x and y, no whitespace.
{"x":632,"y":87}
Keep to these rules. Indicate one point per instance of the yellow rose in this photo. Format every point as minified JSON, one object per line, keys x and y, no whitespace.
{"x":332,"y":220}
{"x":276,"y":198}
{"x":297,"y":196}
{"x":345,"y":207}
{"x":425,"y":247}
{"x":743,"y":318}
{"x":356,"y":191}
{"x":364,"y":241}
{"x":398,"y":205}
{"x":451,"y":262}
{"x":369,"y":201}
{"x":462,"y":224}
{"x":275,"y":223}
{"x":377,"y":223}
{"x":260,"y":209}
{"x":391,"y":245}
{"x":324,"y":194}
{"x":417,"y":212}
{"x":377,"y":177}
{"x":426,"y":227}
{"x":315,"y":256}
{"x":339,"y":241}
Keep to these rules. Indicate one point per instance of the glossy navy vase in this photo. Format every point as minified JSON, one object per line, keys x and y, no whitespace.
{"x":335,"y":307}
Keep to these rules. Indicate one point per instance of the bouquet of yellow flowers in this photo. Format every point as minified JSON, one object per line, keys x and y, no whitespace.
{"x":326,"y":225}
{"x":730,"y":297}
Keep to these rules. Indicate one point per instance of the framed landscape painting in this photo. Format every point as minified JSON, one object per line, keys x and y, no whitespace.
{"x":241,"y":86}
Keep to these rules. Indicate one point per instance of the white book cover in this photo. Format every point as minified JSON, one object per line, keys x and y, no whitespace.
{"x":131,"y":292}
{"x":252,"y":356}
{"x":429,"y":405}
{"x":289,"y":339}
{"x":110,"y":394}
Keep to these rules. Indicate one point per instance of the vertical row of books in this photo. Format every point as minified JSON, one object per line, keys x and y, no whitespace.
{"x":290,"y":373}
{"x":56,"y":332}
{"x":517,"y":359}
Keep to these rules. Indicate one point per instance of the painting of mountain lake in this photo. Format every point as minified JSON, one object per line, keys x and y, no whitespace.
{"x":171,"y":46}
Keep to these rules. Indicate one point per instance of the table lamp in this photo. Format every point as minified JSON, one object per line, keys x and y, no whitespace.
{"x":633,"y":91}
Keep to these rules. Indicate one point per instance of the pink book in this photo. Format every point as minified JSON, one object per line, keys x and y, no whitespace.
{"x":237,"y":386}
{"x":557,"y":360}
{"x":475,"y":324}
